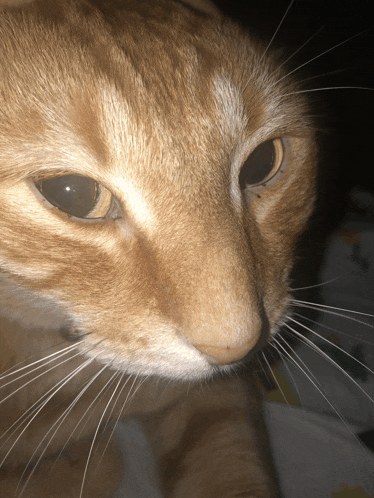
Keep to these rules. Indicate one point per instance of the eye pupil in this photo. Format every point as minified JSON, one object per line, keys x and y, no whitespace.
{"x":262,"y":164}
{"x":73,"y":194}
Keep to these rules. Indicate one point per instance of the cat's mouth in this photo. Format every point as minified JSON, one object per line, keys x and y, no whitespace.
{"x":180,"y":360}
{"x":72,"y":334}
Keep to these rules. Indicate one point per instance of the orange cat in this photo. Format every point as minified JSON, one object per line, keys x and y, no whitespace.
{"x":156,"y":170}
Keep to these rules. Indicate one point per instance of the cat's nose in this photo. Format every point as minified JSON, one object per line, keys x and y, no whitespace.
{"x":224,"y":356}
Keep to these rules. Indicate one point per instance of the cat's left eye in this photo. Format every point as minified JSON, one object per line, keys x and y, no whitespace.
{"x":77,"y":195}
{"x":262,"y":164}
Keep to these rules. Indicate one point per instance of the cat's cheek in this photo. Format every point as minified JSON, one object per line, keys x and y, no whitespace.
{"x":153,"y":350}
{"x":147,"y":349}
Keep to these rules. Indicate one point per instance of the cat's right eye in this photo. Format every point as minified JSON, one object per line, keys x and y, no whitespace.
{"x":77,"y":195}
{"x":262,"y":164}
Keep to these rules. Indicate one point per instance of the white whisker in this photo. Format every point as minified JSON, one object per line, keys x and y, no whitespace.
{"x":306,"y":371}
{"x":95,"y":436}
{"x":307,"y":341}
{"x":121,"y":411}
{"x":8,"y":372}
{"x":60,"y":419}
{"x":276,"y":380}
{"x":318,"y":285}
{"x":114,"y":404}
{"x":127,"y":400}
{"x":329,"y":88}
{"x":290,"y":374}
{"x":57,"y":353}
{"x":322,"y":75}
{"x":83,"y":390}
{"x":276,"y":31}
{"x":31,"y":409}
{"x":37,"y":377}
{"x":301,"y":47}
{"x":327,"y":309}
{"x":327,"y":327}
{"x":109,"y":417}
{"x":64,"y":382}
{"x":262,"y":367}
{"x":318,"y":56}
{"x":316,"y":384}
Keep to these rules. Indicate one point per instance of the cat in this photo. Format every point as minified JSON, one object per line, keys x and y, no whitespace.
{"x":157,"y":169}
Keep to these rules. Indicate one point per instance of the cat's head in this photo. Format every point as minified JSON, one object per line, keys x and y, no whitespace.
{"x":191,"y":162}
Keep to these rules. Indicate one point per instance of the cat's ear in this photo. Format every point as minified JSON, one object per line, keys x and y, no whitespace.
{"x":203,"y":5}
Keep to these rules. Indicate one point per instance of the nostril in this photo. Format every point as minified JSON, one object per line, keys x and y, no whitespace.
{"x":223,"y":356}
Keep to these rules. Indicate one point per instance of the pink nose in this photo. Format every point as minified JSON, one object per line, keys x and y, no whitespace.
{"x":224,"y":356}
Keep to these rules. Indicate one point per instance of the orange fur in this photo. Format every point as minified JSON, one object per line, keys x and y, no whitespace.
{"x":161,"y":104}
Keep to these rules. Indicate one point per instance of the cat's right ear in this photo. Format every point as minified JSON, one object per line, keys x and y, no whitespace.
{"x":204,"y":5}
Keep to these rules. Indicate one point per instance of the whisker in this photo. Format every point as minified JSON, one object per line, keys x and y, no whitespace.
{"x":327,"y":327}
{"x":333,"y":308}
{"x":109,"y":418}
{"x":307,"y":341}
{"x":61,"y":353}
{"x":302,"y":46}
{"x":62,"y":383}
{"x":318,"y":285}
{"x":101,"y":393}
{"x":316,"y":384}
{"x":60,"y":419}
{"x":319,"y":55}
{"x":84,"y":388}
{"x":290,"y":374}
{"x":321,"y":391}
{"x":275,"y":378}
{"x":114,"y":404}
{"x":262,"y":367}
{"x":95,"y":436}
{"x":127,"y":400}
{"x":322,"y":75}
{"x":32,"y":410}
{"x":120,"y":412}
{"x":322,"y":308}
{"x":8,"y":372}
{"x":306,"y":371}
{"x":330,"y":342}
{"x":329,"y":88}
{"x":170,"y":381}
{"x":37,"y":377}
{"x":276,"y":31}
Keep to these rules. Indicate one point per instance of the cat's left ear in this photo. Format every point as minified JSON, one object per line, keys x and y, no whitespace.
{"x":204,"y":5}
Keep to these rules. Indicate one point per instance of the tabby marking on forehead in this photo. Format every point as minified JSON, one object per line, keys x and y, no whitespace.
{"x":230,"y":108}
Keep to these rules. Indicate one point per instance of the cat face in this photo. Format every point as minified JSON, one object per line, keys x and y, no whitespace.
{"x":155,"y":177}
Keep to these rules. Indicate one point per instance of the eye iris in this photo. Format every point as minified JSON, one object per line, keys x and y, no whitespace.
{"x":73,"y":194}
{"x":262,"y":164}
